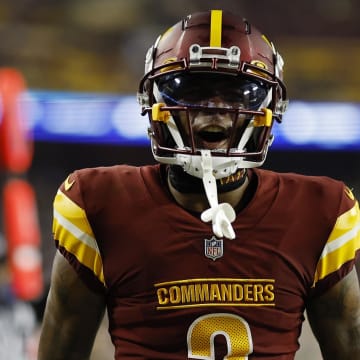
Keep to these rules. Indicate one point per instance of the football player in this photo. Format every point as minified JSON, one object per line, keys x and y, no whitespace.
{"x":204,"y":255}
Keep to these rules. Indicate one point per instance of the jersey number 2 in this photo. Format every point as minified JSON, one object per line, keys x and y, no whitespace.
{"x":202,"y":332}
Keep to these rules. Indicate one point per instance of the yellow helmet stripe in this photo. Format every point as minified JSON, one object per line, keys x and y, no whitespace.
{"x":215,"y":28}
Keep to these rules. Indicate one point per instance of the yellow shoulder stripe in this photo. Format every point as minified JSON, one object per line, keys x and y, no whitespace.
{"x":215,"y":28}
{"x":73,"y":231}
{"x":342,"y":244}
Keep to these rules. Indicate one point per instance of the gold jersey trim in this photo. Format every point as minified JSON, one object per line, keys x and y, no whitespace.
{"x":72,"y":230}
{"x":211,"y":280}
{"x":342,"y":245}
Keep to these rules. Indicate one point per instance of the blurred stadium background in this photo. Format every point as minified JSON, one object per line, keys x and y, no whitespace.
{"x":75,"y":50}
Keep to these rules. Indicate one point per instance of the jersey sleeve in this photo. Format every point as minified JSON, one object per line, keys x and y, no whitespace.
{"x":73,"y":235}
{"x":342,"y":247}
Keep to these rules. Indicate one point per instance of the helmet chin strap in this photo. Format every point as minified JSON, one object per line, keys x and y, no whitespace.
{"x":221,"y":215}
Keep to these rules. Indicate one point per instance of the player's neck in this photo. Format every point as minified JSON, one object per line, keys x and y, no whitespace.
{"x":197,"y":202}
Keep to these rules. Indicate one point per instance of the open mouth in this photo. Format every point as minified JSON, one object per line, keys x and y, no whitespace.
{"x":212,"y":137}
{"x":213,"y":134}
{"x":209,"y":136}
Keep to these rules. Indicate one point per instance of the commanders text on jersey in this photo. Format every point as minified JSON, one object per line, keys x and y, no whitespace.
{"x":212,"y":292}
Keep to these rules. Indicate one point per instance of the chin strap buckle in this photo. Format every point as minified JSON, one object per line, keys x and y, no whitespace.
{"x":221,"y":215}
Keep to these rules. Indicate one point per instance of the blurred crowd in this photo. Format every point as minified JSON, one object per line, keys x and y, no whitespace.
{"x":97,"y":45}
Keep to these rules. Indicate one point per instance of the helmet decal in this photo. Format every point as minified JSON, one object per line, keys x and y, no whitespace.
{"x":259,"y":64}
{"x":267,"y":40}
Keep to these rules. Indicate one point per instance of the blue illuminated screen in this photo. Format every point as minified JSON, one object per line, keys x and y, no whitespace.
{"x":116,"y":119}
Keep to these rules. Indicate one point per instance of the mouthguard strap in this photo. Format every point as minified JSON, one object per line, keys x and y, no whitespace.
{"x":221,"y":215}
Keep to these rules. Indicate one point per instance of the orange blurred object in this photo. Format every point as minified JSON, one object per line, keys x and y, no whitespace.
{"x":16,"y":147}
{"x":23,"y":239}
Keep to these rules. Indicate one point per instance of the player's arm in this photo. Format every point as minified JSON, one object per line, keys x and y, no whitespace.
{"x":335,"y":319}
{"x":72,"y":316}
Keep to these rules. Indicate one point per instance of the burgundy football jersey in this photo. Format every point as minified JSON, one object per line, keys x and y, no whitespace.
{"x":175,"y":291}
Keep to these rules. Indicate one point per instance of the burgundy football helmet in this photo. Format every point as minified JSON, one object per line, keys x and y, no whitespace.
{"x":214,"y":82}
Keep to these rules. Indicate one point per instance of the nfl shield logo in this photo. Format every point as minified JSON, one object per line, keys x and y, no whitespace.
{"x":214,"y":248}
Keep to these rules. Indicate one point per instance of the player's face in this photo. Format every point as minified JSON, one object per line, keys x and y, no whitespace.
{"x":211,"y":102}
{"x":211,"y":128}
